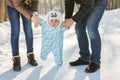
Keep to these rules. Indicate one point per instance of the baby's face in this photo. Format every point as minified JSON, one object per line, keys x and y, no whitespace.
{"x":54,"y":22}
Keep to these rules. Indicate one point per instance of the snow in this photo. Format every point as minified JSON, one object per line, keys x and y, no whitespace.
{"x":47,"y":70}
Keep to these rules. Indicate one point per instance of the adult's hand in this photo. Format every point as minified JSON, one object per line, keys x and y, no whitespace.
{"x":35,"y":20}
{"x":68,"y":23}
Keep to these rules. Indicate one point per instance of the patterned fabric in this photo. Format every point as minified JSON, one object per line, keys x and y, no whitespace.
{"x":52,"y":41}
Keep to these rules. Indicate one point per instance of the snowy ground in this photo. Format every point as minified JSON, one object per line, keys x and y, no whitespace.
{"x":47,"y":70}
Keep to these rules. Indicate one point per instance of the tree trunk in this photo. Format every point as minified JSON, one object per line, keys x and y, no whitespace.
{"x":3,"y":11}
{"x":113,"y":4}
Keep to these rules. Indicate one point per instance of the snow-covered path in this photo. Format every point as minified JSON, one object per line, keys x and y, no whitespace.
{"x":47,"y":70}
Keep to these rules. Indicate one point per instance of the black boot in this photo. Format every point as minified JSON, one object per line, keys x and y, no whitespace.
{"x":31,"y":59}
{"x":16,"y":63}
{"x":79,"y":62}
{"x":92,"y":67}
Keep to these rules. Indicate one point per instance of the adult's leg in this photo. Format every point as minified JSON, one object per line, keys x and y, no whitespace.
{"x":92,"y":27}
{"x":27,"y":26}
{"x":15,"y":29}
{"x":82,"y":38}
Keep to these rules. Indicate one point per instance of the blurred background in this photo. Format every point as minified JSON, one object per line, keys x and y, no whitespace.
{"x":46,"y":5}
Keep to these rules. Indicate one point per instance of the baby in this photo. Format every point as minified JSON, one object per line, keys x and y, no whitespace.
{"x":52,"y":36}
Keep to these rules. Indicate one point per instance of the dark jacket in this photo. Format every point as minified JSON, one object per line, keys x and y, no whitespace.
{"x":24,"y":7}
{"x":85,"y":7}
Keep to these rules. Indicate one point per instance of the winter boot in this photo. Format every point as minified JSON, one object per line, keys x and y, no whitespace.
{"x":79,"y":62}
{"x":92,"y":67}
{"x":31,"y":59}
{"x":16,"y":63}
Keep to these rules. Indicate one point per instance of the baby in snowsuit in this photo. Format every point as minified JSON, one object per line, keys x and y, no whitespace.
{"x":52,"y":36}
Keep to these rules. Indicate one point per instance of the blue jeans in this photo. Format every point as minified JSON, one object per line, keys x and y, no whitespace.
{"x":14,"y":17}
{"x":91,"y":23}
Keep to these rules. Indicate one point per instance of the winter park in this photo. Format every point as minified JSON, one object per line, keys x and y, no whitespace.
{"x":109,"y":29}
